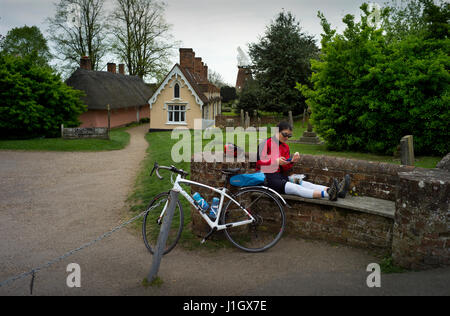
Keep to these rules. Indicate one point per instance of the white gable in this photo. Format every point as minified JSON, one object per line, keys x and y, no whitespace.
{"x":178,"y":74}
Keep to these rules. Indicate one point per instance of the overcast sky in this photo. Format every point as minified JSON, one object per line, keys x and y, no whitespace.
{"x":213,"y":28}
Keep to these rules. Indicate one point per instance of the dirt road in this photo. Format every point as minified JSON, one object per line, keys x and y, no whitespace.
{"x":51,"y":203}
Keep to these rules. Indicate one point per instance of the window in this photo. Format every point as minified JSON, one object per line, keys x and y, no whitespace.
{"x":176,"y":114}
{"x":176,"y":91}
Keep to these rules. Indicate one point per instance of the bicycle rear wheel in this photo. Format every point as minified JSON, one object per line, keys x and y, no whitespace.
{"x":269,"y":225}
{"x":152,"y":223}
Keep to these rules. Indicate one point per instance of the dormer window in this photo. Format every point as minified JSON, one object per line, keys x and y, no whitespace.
{"x":176,"y":91}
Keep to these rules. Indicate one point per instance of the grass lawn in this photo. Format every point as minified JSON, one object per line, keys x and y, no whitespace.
{"x":119,"y":140}
{"x":420,"y":161}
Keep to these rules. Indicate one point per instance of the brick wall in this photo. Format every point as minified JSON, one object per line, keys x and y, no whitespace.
{"x":374,"y":179}
{"x":338,"y":225}
{"x":422,"y":219}
{"x":418,"y":237}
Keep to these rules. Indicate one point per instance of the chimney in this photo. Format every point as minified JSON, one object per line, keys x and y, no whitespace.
{"x":122,"y":69}
{"x":112,"y":67}
{"x":187,"y":57}
{"x":85,"y":63}
{"x":198,"y":68}
{"x":205,"y":72}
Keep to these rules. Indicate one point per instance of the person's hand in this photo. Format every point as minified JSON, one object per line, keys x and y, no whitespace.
{"x":282,"y":161}
{"x":296,"y":157}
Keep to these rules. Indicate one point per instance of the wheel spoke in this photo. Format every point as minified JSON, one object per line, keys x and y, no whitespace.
{"x":269,"y":223}
{"x":152,"y":223}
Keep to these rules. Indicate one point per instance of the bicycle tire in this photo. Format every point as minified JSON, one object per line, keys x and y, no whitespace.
{"x":151,"y":226}
{"x":269,"y":212}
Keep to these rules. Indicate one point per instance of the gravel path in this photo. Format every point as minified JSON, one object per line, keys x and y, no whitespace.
{"x":51,"y":203}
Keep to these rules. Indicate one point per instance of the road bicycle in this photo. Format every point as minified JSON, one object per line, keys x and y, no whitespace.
{"x":252,"y":219}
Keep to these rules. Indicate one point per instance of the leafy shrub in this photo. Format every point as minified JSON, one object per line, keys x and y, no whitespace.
{"x":34,"y":102}
{"x":368,"y":92}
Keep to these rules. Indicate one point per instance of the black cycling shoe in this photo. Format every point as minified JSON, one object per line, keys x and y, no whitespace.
{"x":333,"y":191}
{"x":344,"y":186}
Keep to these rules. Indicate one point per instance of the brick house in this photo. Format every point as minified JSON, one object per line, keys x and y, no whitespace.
{"x":184,"y":96}
{"x":127,"y":95}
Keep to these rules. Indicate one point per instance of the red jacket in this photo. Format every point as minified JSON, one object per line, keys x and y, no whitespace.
{"x":269,"y":151}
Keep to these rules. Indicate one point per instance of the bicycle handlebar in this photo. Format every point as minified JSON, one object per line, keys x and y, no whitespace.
{"x":172,"y":168}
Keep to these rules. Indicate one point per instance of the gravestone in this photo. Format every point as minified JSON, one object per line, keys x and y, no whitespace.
{"x":309,"y":137}
{"x":242,"y":118}
{"x":444,"y":163}
{"x":291,"y":119}
{"x":229,"y":123}
{"x":407,"y":150}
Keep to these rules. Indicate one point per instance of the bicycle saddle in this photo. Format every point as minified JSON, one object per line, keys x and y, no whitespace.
{"x":231,"y":171}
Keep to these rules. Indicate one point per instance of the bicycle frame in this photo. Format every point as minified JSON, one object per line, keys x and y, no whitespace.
{"x":214,"y":225}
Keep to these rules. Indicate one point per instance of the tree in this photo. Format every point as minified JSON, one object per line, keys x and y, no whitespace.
{"x":419,"y":17}
{"x":369,"y":91}
{"x":228,"y":94}
{"x":252,"y":97}
{"x":34,"y":101}
{"x":142,"y":38}
{"x":2,"y":38}
{"x":27,"y":41}
{"x":216,"y":79}
{"x":281,"y":59}
{"x":79,"y":29}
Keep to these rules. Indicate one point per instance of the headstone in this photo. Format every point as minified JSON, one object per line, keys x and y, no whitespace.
{"x":304,"y":118}
{"x":309,"y":137}
{"x":247,"y":120}
{"x":229,"y":123}
{"x":242,"y":118}
{"x":291,"y":119}
{"x":407,"y":150}
{"x":444,"y":163}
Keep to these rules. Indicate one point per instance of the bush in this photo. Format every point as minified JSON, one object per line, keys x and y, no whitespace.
{"x":368,"y":93}
{"x":34,"y":102}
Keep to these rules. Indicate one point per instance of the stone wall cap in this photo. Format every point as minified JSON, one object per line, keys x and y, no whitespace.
{"x":426,"y":175}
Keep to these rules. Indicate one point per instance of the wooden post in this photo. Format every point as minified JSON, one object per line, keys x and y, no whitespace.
{"x":109,"y":120}
{"x":62,"y":130}
{"x":407,"y":150}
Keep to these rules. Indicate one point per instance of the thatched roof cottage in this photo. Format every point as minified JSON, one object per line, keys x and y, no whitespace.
{"x":126,"y":95}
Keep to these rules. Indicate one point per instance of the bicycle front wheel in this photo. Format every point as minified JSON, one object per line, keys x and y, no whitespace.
{"x":153,"y":222}
{"x":269,"y":224}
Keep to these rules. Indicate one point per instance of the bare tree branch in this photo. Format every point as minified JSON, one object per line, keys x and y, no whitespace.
{"x":79,"y":29}
{"x":141,"y":37}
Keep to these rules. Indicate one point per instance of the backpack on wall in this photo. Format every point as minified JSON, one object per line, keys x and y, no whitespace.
{"x":248,"y":180}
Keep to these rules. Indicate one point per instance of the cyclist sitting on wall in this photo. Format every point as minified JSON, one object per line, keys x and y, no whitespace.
{"x":275,"y":162}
